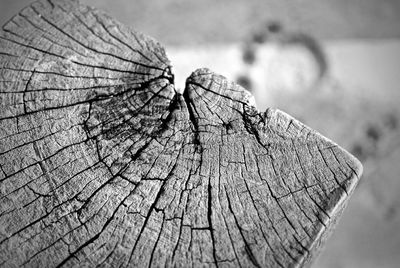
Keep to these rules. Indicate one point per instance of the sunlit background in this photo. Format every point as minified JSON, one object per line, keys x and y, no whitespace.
{"x":335,"y":65}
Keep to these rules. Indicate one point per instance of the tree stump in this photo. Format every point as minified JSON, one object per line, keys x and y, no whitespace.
{"x":104,"y":164}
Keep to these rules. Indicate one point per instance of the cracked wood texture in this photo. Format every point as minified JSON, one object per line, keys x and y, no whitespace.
{"x":104,"y":164}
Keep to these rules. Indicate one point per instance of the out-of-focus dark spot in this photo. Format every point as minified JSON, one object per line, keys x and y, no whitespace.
{"x":244,"y":81}
{"x":260,"y":37}
{"x":373,"y":133}
{"x":274,"y":27}
{"x":359,"y":151}
{"x":313,"y":46}
{"x":391,"y":121}
{"x":249,"y":54}
{"x":390,"y":213}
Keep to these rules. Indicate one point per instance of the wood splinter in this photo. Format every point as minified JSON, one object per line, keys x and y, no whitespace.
{"x":103,"y":163}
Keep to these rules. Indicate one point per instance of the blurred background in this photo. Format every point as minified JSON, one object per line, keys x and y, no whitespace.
{"x":334,"y":65}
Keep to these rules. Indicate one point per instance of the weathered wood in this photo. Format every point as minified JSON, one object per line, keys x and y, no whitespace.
{"x":104,"y":163}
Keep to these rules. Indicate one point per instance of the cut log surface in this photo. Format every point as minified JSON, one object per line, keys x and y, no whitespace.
{"x":103,"y":163}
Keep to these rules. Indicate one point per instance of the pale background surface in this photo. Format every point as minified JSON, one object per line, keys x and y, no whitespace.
{"x":356,"y":105}
{"x":179,"y":22}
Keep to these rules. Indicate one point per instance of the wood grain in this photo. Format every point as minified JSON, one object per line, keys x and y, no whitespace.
{"x":104,"y":164}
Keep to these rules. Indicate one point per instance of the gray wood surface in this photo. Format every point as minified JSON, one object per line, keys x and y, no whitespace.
{"x":103,"y":163}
